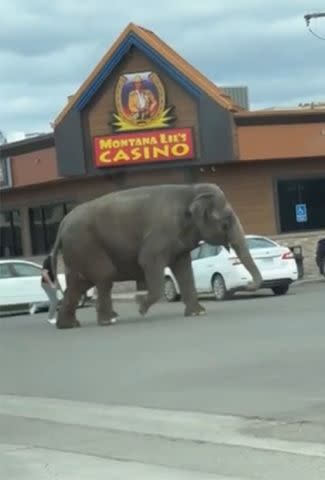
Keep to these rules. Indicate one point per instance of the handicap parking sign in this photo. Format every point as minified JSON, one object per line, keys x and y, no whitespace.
{"x":301,"y":212}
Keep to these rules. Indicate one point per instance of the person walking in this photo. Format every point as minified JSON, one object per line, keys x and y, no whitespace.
{"x":50,"y":287}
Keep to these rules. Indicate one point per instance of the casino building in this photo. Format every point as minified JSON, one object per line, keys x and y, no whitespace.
{"x":144,"y":116}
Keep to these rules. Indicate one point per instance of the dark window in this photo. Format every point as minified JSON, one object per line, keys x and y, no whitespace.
{"x":52,"y":218}
{"x":10,"y":234}
{"x":70,"y":206}
{"x":301,"y":204}
{"x":44,"y":224}
{"x":37,"y":231}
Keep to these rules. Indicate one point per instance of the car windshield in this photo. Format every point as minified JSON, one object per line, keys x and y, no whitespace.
{"x":207,"y":250}
{"x":258,"y":242}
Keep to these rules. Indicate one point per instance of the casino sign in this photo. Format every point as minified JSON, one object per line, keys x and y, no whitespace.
{"x":141,"y":109}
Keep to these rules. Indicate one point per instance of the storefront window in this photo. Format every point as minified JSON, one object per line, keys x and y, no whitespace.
{"x":37,"y":231}
{"x":44,"y":224}
{"x":53,"y":215}
{"x":10,"y":234}
{"x":70,"y":206}
{"x":301,"y":204}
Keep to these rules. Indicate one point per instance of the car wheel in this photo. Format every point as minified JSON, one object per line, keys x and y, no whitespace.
{"x":280,"y":290}
{"x":219,"y":288}
{"x":170,"y":292}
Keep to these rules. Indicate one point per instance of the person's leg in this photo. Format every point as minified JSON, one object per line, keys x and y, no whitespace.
{"x":32,"y":309}
{"x":52,"y":294}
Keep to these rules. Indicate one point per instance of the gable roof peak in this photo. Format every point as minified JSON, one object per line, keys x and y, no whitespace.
{"x":161,"y":50}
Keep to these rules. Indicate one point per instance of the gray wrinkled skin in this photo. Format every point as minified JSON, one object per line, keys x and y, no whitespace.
{"x":134,"y":234}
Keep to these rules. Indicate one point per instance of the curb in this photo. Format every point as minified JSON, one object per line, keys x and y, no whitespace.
{"x":124,"y":296}
{"x":309,"y":280}
{"x":130,"y":296}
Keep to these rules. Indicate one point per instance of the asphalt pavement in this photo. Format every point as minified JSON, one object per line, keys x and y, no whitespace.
{"x":238,"y":393}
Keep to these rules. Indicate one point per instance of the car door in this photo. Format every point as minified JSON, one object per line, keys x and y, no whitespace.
{"x":204,"y":267}
{"x":28,"y":279}
{"x":8,"y":287}
{"x":194,"y":259}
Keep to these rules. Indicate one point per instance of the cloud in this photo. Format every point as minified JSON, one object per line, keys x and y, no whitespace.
{"x":48,"y":48}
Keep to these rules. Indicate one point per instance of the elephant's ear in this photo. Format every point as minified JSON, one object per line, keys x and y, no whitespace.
{"x":201,"y":206}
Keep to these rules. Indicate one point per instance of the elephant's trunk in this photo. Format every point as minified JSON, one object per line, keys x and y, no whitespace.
{"x":238,"y":242}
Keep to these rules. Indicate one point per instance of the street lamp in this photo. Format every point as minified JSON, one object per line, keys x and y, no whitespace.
{"x":310,"y":16}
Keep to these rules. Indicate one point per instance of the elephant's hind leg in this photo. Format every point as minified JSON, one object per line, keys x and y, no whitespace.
{"x":101,"y":271}
{"x":76,"y":286}
{"x":105,"y":312}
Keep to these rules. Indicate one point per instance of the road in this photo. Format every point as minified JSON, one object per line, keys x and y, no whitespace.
{"x":174,"y":395}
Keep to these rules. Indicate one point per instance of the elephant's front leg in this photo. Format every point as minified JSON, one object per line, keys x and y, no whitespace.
{"x":182,"y":269}
{"x":104,"y":307}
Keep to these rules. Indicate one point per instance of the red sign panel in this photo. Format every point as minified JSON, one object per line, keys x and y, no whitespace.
{"x":143,"y":147}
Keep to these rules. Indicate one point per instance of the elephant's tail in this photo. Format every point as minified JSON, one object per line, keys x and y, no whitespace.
{"x":54,"y":256}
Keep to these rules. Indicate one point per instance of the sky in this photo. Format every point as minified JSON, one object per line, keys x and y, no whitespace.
{"x":47,"y":49}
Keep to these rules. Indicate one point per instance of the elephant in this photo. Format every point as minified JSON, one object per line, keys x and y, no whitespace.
{"x":133,"y":234}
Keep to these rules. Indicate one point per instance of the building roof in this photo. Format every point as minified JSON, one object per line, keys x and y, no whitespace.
{"x":158,"y":49}
{"x":300,"y":107}
{"x":280,"y":116}
{"x":280,"y":111}
{"x":27,"y":145}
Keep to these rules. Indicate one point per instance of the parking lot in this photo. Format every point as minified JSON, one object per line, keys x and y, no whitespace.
{"x":258,"y":358}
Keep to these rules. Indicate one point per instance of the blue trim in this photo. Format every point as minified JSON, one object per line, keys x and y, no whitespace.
{"x":133,"y":40}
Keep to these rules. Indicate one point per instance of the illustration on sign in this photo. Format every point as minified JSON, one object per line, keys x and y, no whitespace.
{"x":301,"y":212}
{"x":140,"y":103}
{"x":143,"y":147}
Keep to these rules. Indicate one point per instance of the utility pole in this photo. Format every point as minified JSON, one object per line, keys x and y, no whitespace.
{"x":3,"y":139}
{"x":3,"y":163}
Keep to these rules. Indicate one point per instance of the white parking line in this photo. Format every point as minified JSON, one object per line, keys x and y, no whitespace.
{"x":189,"y":426}
{"x":24,"y":463}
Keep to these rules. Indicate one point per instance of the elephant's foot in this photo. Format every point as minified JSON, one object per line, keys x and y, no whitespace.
{"x":108,"y":319}
{"x":64,"y":322}
{"x":194,"y":311}
{"x":253,"y":286}
{"x":66,"y":319}
{"x":142,"y":303}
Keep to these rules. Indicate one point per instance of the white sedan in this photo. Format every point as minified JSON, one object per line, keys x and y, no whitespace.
{"x":220,"y":272}
{"x":20,"y":286}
